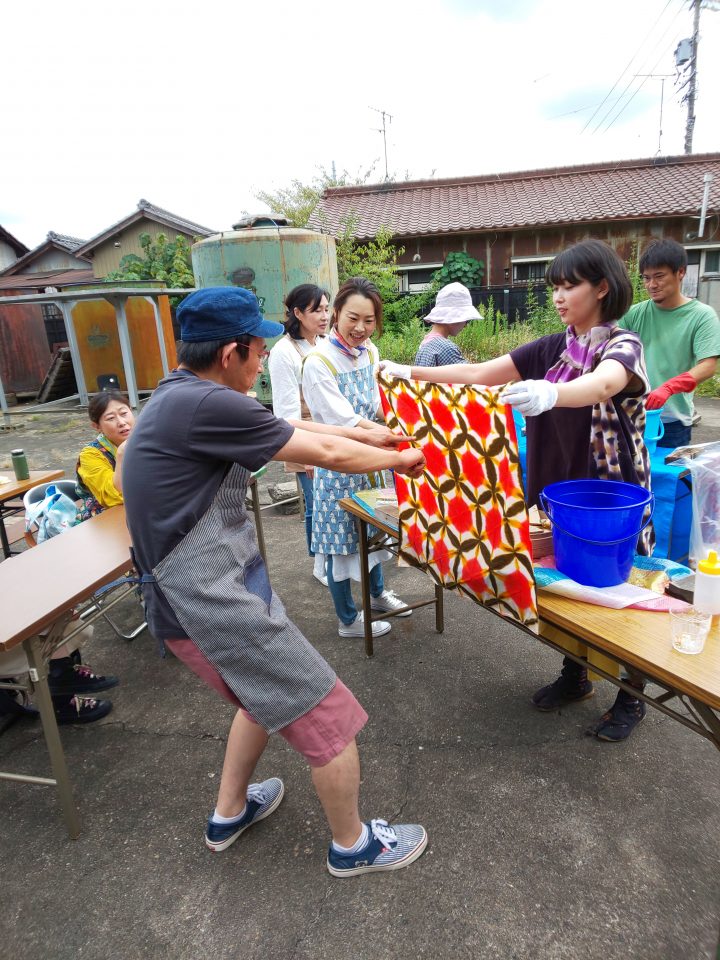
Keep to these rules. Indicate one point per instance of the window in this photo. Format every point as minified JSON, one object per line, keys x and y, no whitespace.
{"x":529,"y":269}
{"x":712,"y":261}
{"x":416,"y":279}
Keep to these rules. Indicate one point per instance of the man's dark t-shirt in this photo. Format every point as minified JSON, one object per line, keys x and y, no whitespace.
{"x":187,"y":437}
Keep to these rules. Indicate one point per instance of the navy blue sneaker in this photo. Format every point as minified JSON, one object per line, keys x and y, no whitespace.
{"x":262,"y":800}
{"x":389,"y":848}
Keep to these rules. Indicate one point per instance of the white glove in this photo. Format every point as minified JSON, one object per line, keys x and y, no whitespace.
{"x":398,"y":370}
{"x":530,"y":397}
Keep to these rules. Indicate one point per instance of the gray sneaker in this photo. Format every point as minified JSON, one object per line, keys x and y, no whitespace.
{"x":389,"y":602}
{"x":357,"y":627}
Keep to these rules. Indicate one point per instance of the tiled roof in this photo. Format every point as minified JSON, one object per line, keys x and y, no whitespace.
{"x":58,"y":241}
{"x":627,"y":189}
{"x":17,"y":245}
{"x":62,"y":240}
{"x":149,"y":210}
{"x":37,"y":282}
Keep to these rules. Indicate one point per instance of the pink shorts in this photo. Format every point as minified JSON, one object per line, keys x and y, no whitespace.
{"x":319,"y":735}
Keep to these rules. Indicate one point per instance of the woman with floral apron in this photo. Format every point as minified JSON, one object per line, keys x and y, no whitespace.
{"x":339,"y":387}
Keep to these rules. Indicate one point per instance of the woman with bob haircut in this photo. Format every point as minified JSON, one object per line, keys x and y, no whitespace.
{"x":306,"y":320}
{"x":340,"y":388}
{"x":583,"y":393}
{"x":99,"y":466}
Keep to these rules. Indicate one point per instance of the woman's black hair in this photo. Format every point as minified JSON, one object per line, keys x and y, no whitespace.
{"x":594,"y":261}
{"x":202,"y":355}
{"x":98,"y":404}
{"x":367,"y":289}
{"x":306,"y":296}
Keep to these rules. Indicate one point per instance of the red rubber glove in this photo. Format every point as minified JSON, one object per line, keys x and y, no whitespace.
{"x":682,"y":383}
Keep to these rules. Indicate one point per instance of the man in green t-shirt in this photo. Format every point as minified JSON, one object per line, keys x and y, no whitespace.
{"x":681,"y":338}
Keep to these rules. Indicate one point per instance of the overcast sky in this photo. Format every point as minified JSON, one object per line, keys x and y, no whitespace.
{"x":196,"y":105}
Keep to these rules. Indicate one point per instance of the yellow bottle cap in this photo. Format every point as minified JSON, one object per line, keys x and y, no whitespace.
{"x":710,"y":565}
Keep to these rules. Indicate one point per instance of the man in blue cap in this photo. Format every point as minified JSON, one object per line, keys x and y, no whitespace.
{"x":206,"y":588}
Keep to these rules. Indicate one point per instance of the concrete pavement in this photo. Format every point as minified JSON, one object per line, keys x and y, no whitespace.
{"x":544,"y":843}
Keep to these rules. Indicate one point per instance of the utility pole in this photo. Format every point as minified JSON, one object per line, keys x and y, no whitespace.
{"x":383,"y":131}
{"x":690,"y":123}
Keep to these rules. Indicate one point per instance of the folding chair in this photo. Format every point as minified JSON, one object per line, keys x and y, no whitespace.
{"x":100,"y":603}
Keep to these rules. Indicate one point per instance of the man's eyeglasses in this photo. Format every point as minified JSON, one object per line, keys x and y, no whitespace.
{"x":262,"y":354}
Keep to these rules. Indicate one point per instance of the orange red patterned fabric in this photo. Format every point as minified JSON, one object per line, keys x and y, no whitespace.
{"x":465,"y":521}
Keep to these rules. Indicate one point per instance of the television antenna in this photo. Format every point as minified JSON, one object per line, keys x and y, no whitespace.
{"x":383,"y":130}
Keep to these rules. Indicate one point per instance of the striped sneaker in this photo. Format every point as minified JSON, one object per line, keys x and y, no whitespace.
{"x":389,"y":848}
{"x":262,"y":800}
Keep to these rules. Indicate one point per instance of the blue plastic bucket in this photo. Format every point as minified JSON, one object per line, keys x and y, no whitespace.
{"x":654,"y":429}
{"x":596,"y":524}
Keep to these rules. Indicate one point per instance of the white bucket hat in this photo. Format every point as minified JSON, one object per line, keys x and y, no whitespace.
{"x":453,"y":305}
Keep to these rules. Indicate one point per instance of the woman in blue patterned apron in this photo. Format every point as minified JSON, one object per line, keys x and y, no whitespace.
{"x":339,"y":387}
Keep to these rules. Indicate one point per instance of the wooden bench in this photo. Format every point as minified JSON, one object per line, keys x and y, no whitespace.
{"x":41,"y":589}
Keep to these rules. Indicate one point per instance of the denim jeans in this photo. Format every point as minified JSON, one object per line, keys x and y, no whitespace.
{"x":341,"y":592}
{"x":676,"y":434}
{"x":306,"y":485}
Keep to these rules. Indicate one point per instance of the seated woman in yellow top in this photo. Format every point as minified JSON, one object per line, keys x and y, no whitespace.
{"x":100,"y":462}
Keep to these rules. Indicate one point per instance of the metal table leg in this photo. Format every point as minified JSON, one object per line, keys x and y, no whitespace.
{"x":4,"y":537}
{"x":38,"y":677}
{"x":439,"y":609}
{"x":365,"y":583}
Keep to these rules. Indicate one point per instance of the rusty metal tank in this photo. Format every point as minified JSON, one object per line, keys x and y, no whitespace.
{"x":268,"y":257}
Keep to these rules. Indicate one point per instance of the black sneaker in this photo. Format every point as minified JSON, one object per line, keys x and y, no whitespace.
{"x":72,"y":678}
{"x":80,"y":709}
{"x":620,"y":720}
{"x":16,"y":703}
{"x":571,"y":686}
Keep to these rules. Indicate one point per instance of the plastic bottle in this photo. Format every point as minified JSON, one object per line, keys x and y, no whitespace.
{"x":707,"y":585}
{"x":20,"y":465}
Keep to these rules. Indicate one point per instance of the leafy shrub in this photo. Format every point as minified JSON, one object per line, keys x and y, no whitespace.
{"x":459,"y":267}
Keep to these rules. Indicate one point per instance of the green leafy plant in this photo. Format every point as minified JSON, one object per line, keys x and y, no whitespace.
{"x":375,"y":260}
{"x":633,"y":265}
{"x":167,"y":260}
{"x":460,"y":267}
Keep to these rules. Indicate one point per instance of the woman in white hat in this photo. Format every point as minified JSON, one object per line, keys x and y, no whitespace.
{"x":453,"y":310}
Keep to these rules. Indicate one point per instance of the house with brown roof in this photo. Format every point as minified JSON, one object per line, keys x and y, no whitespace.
{"x":106,"y":250}
{"x":56,"y":253}
{"x":10,"y":248}
{"x":517,"y":222}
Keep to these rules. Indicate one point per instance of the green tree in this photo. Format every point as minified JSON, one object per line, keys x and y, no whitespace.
{"x":163,"y":259}
{"x":298,"y":201}
{"x":376,"y":260}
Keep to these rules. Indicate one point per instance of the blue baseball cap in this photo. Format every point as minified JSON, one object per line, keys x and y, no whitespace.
{"x":221,"y":313}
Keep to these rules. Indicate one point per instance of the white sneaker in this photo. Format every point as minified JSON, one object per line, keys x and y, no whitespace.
{"x":357,"y":627}
{"x":389,"y":602}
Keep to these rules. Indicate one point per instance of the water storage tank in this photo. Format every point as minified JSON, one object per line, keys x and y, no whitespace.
{"x":268,"y":257}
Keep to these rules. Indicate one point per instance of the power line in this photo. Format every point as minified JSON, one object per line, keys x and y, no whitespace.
{"x":632,"y":80}
{"x":622,"y":74}
{"x":624,"y":107}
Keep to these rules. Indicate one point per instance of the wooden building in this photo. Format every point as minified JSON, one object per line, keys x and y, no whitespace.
{"x":517,"y":222}
{"x":11,"y":249}
{"x":106,"y":250}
